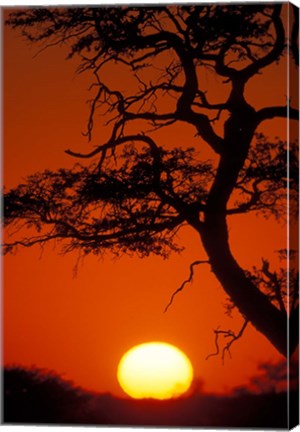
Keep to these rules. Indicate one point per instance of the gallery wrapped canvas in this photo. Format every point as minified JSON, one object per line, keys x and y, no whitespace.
{"x":151,"y":215}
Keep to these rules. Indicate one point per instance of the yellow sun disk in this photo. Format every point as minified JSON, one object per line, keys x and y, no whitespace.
{"x":155,"y":370}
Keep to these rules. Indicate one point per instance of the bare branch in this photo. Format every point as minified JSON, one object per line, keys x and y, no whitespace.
{"x":188,"y":280}
{"x":174,"y":21}
{"x":227,"y":334}
{"x":277,"y":111}
{"x":112,"y":143}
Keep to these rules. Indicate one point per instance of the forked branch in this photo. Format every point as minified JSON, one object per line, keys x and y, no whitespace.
{"x":227,"y":334}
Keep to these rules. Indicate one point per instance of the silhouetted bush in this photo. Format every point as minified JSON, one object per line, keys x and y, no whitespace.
{"x":40,"y":396}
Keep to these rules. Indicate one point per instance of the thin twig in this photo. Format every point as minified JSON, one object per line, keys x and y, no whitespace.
{"x":227,"y":334}
{"x":190,"y":278}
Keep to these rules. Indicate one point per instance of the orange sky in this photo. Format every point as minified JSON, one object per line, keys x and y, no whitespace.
{"x":81,"y":326}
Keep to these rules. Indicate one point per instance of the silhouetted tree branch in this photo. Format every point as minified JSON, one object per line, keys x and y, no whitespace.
{"x":227,"y":334}
{"x":190,"y":278}
{"x":135,"y":195}
{"x":281,"y":286}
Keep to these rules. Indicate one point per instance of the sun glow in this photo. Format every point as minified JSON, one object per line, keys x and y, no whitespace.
{"x":155,"y":370}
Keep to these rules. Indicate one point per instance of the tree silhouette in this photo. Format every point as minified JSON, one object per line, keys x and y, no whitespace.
{"x":134,"y":195}
{"x":39,"y":396}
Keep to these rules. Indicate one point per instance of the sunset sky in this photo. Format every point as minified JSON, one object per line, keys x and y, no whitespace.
{"x":80,"y":323}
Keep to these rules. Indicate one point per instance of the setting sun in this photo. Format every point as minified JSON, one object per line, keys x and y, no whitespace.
{"x":155,"y":370}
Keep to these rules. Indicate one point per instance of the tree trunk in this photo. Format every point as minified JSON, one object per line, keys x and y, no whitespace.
{"x":250,"y":301}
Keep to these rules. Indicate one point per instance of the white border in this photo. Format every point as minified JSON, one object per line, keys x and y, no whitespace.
{"x":11,"y":4}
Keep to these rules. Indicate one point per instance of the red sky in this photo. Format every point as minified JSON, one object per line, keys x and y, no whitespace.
{"x":81,"y":326}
